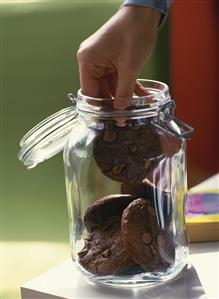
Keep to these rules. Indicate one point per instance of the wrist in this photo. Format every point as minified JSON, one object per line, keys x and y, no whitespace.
{"x":144,"y":15}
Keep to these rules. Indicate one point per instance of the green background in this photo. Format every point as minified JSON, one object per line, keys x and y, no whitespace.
{"x":39,"y":41}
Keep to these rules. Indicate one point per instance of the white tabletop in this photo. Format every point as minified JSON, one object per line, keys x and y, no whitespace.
{"x":205,"y":258}
{"x":64,"y":281}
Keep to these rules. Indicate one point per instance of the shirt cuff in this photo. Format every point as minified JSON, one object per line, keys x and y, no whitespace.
{"x":161,"y":5}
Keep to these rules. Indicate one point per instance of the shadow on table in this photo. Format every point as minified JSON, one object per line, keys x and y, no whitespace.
{"x":186,"y":285}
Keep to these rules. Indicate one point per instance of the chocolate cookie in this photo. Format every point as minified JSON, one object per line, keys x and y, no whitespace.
{"x":102,"y":209}
{"x":166,"y":245}
{"x":159,"y":199}
{"x":126,"y":154}
{"x":104,"y":252}
{"x":139,"y":234}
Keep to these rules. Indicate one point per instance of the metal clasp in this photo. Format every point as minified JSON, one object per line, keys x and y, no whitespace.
{"x":72,"y":98}
{"x":167,"y":122}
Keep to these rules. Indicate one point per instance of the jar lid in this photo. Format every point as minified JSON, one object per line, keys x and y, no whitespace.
{"x":48,"y":138}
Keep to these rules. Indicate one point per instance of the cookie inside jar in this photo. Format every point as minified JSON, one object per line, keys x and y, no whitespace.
{"x":124,"y":235}
{"x":130,"y":232}
{"x":127,"y":154}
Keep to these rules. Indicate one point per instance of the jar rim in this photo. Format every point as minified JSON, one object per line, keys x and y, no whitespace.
{"x":148,"y":105}
{"x":164,"y":89}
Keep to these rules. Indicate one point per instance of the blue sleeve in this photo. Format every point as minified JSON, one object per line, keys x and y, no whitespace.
{"x":161,"y":5}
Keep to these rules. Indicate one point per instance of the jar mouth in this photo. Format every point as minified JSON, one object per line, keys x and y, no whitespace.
{"x":157,"y":95}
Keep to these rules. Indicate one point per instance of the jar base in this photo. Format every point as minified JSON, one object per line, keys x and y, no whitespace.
{"x":134,"y":281}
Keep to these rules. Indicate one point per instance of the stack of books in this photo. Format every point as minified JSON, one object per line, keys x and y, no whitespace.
{"x":202,"y":211}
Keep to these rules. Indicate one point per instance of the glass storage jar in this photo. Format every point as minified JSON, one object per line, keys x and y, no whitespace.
{"x":126,"y":182}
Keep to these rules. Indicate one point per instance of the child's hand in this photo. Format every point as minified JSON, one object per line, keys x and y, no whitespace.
{"x":111,"y":59}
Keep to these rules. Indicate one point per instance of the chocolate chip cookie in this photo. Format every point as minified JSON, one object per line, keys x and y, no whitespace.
{"x":108,"y":206}
{"x":126,"y":154}
{"x":160,"y":200}
{"x":104,"y":252}
{"x":166,"y":245}
{"x":123,"y":234}
{"x":140,"y":232}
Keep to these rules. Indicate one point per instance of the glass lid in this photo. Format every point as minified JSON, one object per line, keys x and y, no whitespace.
{"x":48,"y":138}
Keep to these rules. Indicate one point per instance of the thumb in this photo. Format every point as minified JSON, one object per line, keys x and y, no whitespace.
{"x":125,"y":88}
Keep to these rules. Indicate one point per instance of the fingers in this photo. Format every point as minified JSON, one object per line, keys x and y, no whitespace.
{"x":140,"y":90}
{"x":89,"y":84}
{"x":104,"y":86}
{"x":121,"y":87}
{"x":125,"y":88}
{"x":113,"y":80}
